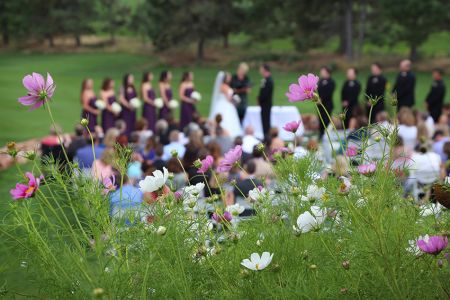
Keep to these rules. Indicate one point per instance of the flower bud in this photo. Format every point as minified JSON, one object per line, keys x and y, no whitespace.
{"x":313,"y":267}
{"x":171,"y":176}
{"x":198,"y":164}
{"x":342,"y":116}
{"x":161,"y":230}
{"x":11,"y":149}
{"x":244,"y":273}
{"x":346,"y":264}
{"x":440,"y":263}
{"x":260,"y":147}
{"x":84,"y":122}
{"x":394,"y":101}
{"x":276,"y":267}
{"x":233,"y":182}
{"x":259,"y":242}
{"x":377,"y":138}
{"x":30,"y":155}
{"x":174,"y":153}
{"x":98,"y":292}
{"x":344,"y":290}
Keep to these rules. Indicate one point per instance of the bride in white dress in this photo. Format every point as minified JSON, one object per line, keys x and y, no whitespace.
{"x":222,"y":104}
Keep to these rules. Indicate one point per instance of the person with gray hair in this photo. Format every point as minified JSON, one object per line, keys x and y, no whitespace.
{"x":174,"y":147}
{"x":405,"y":85}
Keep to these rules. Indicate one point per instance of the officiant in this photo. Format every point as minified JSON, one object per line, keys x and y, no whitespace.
{"x":265,"y":98}
{"x":240,"y":83}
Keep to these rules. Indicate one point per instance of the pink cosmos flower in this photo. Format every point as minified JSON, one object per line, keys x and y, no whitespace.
{"x":352,"y":151}
{"x":292,"y":126}
{"x":109,"y":184}
{"x":304,"y":90}
{"x":227,"y":216}
{"x":433,"y":245}
{"x":22,"y":191}
{"x":39,"y":90}
{"x":206,"y":164}
{"x":178,"y":195}
{"x":230,"y":159}
{"x":367,"y":169}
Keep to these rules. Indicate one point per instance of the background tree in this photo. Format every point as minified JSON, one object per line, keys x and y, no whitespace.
{"x":414,"y":20}
{"x":115,"y":14}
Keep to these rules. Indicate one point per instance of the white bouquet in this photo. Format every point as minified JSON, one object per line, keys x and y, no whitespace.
{"x":173,"y":104}
{"x":159,"y":103}
{"x":116,"y":108}
{"x":196,"y":96}
{"x":236,"y":99}
{"x":100,"y":104}
{"x":135,"y":103}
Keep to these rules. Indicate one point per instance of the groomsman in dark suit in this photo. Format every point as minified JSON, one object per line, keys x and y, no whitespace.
{"x":325,"y":90}
{"x":265,"y":97}
{"x":435,"y":97}
{"x":375,"y":89}
{"x":404,"y":85}
{"x":349,"y":94}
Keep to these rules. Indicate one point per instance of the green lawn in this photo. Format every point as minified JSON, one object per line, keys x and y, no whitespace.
{"x":68,"y":70}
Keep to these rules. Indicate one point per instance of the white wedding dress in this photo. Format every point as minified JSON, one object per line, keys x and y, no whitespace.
{"x":221,"y":105}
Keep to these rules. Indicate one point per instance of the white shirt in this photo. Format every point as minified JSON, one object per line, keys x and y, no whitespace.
{"x":167,"y":154}
{"x":426,"y":167}
{"x":408,"y":135}
{"x":248,"y":143}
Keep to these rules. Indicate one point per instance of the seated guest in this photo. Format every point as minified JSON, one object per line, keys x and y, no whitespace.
{"x":274,"y":141}
{"x":110,"y":139}
{"x":148,"y":152}
{"x":174,"y":145}
{"x":159,"y":163}
{"x":102,"y":166}
{"x":125,"y":202}
{"x":78,"y":142}
{"x":407,"y":129}
{"x":439,"y":140}
{"x":249,"y":141}
{"x":179,"y":178}
{"x":426,"y":165}
{"x":85,"y":156}
{"x":221,"y":136}
{"x":162,"y":132}
{"x":142,"y":132}
{"x":248,"y":181}
{"x":50,"y":145}
{"x":382,"y":119}
{"x":262,"y":167}
{"x":121,"y":126}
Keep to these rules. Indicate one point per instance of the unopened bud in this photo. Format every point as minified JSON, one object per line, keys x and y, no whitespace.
{"x":346,"y":264}
{"x":377,"y":138}
{"x":313,"y":267}
{"x":344,"y":290}
{"x":30,"y":155}
{"x":174,"y":153}
{"x":161,"y":230}
{"x":260,"y":147}
{"x":171,"y":176}
{"x":11,"y":149}
{"x":394,"y":101}
{"x":98,"y":292}
{"x":84,"y":122}
{"x":342,"y":116}
{"x":198,"y":164}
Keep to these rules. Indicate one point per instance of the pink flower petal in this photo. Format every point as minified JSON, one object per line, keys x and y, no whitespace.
{"x":30,"y":84}
{"x":28,"y":100}
{"x":39,"y":79}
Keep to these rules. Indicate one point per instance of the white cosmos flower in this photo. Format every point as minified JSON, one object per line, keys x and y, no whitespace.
{"x":345,"y":185}
{"x":413,"y":248}
{"x":259,"y":194}
{"x":256,"y":262}
{"x":310,"y":220}
{"x":194,"y":190}
{"x":235,"y":209}
{"x":155,"y":182}
{"x":313,"y":192}
{"x":430,"y":209}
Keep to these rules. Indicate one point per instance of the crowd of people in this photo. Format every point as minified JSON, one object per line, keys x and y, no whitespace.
{"x":423,"y":144}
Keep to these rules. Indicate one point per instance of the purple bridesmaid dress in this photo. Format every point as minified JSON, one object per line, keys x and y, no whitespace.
{"x":108,"y":118}
{"x":128,"y":115}
{"x":187,"y":110}
{"x":90,"y":116}
{"x":164,"y":112}
{"x":149,"y":111}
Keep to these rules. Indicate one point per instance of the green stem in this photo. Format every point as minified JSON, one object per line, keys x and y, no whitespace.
{"x":47,"y":105}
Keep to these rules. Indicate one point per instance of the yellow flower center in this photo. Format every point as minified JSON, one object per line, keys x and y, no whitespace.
{"x":257,"y":266}
{"x":30,"y":189}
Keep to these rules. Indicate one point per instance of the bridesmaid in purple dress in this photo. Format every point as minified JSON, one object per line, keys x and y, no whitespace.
{"x":148,"y":95}
{"x":128,"y":113}
{"x":166,"y":94}
{"x":187,"y":103}
{"x":108,"y":95}
{"x":88,"y":99}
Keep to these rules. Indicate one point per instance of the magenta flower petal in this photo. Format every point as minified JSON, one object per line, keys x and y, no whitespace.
{"x":304,"y":90}
{"x":230,"y":159}
{"x":39,"y":79}
{"x":434,"y":245}
{"x":30,"y":84}
{"x":27,"y":100}
{"x":292,"y":126}
{"x":206,"y":164}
